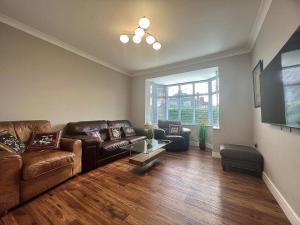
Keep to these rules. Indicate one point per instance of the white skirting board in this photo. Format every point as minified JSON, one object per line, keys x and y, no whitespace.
{"x":287,"y":209}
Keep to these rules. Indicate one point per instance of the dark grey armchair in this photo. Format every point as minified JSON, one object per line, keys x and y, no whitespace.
{"x":179,"y":142}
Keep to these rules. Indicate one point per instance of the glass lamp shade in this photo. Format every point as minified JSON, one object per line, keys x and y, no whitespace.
{"x":144,"y":23}
{"x":150,"y":40}
{"x":139,"y":32}
{"x":124,"y":38}
{"x":136,"y":39}
{"x":156,"y":46}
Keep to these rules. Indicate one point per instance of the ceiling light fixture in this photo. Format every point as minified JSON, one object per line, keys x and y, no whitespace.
{"x":136,"y":39}
{"x":124,"y":38}
{"x":139,"y":32}
{"x":156,"y":45}
{"x":144,"y":23}
{"x":150,"y":39}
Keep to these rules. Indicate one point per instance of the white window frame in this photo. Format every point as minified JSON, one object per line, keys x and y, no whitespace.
{"x":179,"y":97}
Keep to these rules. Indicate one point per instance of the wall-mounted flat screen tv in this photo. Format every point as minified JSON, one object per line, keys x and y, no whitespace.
{"x":280,"y":86}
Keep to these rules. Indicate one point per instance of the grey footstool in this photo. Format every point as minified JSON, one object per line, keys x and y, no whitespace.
{"x":242,"y":159}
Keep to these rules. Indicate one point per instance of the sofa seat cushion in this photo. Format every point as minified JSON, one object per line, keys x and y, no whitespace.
{"x":134,"y":139}
{"x":114,"y":144}
{"x":240,"y":152}
{"x":37,"y":163}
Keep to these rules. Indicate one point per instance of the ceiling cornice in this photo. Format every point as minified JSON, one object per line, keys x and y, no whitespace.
{"x":259,"y":20}
{"x":191,"y":62}
{"x":36,"y":33}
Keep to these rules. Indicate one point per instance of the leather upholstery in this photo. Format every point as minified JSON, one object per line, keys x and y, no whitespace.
{"x":134,"y":139}
{"x":119,"y":123}
{"x":242,"y":158}
{"x":34,"y":187}
{"x":74,"y":146}
{"x":179,"y":142}
{"x":77,"y":128}
{"x":114,"y":145}
{"x":29,"y":174}
{"x":37,"y":163}
{"x":10,"y":171}
{"x":95,"y":152}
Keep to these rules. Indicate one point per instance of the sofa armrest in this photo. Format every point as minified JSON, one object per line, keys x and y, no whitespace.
{"x":185,"y":130}
{"x":85,"y":139}
{"x":159,"y":134}
{"x":140,"y":132}
{"x":10,"y":167}
{"x":72,"y":145}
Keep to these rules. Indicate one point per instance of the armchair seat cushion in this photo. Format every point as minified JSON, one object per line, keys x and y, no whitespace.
{"x":37,"y":163}
{"x":114,"y":144}
{"x":135,"y":139}
{"x":176,"y":138}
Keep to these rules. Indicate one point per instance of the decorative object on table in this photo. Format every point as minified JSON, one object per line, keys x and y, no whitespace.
{"x":10,"y":143}
{"x":202,"y":134}
{"x":256,"y":83}
{"x":141,"y":31}
{"x":114,"y":133}
{"x":128,"y":131}
{"x":44,"y":140}
{"x":149,"y":130}
{"x":174,"y":129}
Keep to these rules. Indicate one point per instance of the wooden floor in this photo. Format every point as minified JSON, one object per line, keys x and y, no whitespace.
{"x":184,"y":188}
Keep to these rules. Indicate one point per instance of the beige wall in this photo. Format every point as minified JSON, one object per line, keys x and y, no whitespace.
{"x":41,"y":81}
{"x":280,"y":148}
{"x":235,"y":99}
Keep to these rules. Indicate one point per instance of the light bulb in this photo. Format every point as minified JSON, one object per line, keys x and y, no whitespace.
{"x":150,"y":40}
{"x":144,"y":23}
{"x":139,"y":32}
{"x":156,"y":46}
{"x":136,"y":39}
{"x":124,"y":38}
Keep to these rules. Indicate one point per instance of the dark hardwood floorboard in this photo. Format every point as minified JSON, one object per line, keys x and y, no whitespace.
{"x":182,"y":188}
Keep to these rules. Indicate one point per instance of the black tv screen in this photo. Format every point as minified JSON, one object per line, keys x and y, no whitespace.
{"x":280,"y":86}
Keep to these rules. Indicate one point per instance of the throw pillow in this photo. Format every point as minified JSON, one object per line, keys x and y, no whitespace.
{"x":94,"y":133}
{"x":11,"y":143}
{"x":114,"y":133}
{"x":174,"y":129}
{"x":128,"y":131}
{"x":42,"y":140}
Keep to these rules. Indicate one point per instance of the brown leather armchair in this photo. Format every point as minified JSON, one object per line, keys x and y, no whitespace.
{"x":33,"y":172}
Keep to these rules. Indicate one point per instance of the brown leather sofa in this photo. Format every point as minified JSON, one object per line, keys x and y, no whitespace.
{"x":94,"y":152}
{"x":33,"y":172}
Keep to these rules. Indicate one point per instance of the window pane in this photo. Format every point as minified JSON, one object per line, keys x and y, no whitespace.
{"x":215,"y":110}
{"x":201,"y":88}
{"x":161,"y":108}
{"x":173,"y":109}
{"x":201,"y":109}
{"x":161,"y":92}
{"x":173,"y":90}
{"x":187,"y":109}
{"x":213,"y":85}
{"x":186,"y":89}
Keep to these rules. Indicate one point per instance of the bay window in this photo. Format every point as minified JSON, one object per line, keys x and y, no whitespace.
{"x":191,"y":103}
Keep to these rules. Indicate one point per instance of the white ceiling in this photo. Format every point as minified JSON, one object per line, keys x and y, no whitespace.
{"x":187,"y":29}
{"x":190,"y":76}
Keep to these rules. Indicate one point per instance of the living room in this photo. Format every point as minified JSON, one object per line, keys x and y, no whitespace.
{"x":84,"y":68}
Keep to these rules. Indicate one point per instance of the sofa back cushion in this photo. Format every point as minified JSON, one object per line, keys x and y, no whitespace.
{"x":24,"y":129}
{"x":81,"y":127}
{"x":119,"y":123}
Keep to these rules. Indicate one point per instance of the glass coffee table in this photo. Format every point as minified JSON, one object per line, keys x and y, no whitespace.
{"x":144,"y":152}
